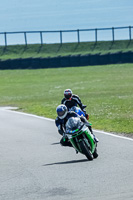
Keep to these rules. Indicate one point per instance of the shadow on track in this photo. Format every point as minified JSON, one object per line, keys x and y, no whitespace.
{"x":55,"y":143}
{"x":67,"y":162}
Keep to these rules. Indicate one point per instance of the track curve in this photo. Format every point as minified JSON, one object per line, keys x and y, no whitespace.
{"x":34,"y":166}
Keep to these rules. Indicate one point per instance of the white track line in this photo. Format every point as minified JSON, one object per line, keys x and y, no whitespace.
{"x":10,"y":109}
{"x":113,"y":134}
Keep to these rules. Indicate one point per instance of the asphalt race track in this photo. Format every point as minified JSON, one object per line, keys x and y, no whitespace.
{"x":33,"y":165}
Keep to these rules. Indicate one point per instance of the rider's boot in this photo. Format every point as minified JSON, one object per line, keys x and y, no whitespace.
{"x":95,"y":138}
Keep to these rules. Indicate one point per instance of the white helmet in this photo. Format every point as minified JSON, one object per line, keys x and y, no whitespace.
{"x":61,"y":111}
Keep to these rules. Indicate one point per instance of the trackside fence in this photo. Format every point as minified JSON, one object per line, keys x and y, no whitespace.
{"x":61,"y":34}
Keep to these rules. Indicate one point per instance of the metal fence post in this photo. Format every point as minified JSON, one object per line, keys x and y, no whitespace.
{"x":77,"y":31}
{"x":113,"y":34}
{"x":41,"y":38}
{"x":96,"y":35}
{"x":61,"y":37}
{"x":78,"y":36}
{"x":25,"y":37}
{"x":130,"y":34}
{"x":5,"y":39}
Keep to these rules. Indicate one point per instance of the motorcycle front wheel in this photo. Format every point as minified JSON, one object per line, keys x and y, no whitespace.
{"x":95,"y":154}
{"x":85,"y":150}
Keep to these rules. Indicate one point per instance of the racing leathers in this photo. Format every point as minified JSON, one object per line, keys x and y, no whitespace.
{"x":74,"y":101}
{"x":61,"y":125}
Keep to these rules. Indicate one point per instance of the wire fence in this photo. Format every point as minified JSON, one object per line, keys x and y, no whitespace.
{"x":60,"y":35}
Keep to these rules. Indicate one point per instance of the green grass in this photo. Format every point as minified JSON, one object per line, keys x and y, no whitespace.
{"x":53,"y":50}
{"x":106,"y":90}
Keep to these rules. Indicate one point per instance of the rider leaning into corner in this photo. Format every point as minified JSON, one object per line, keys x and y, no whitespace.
{"x":71,"y":100}
{"x":63,"y":116}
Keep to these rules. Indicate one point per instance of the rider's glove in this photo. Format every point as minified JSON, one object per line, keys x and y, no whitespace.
{"x":61,"y":132}
{"x":87,"y":116}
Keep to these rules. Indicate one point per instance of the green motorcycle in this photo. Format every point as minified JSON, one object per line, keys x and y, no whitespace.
{"x":81,"y":138}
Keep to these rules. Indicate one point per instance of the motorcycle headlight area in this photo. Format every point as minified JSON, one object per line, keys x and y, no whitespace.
{"x":73,"y":124}
{"x":71,"y":132}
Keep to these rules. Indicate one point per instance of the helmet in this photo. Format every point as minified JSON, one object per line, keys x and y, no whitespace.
{"x":61,"y":111}
{"x":68,"y":93}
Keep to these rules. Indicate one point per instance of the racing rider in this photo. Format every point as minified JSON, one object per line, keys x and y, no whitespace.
{"x":71,"y":100}
{"x":60,"y":121}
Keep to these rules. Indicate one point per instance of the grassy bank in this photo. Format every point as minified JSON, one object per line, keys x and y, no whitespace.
{"x":53,"y":50}
{"x":106,"y":90}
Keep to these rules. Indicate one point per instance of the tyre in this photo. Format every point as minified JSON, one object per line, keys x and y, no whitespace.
{"x":95,"y":154}
{"x":85,"y":150}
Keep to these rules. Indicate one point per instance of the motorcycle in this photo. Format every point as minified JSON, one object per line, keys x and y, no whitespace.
{"x":77,"y":110}
{"x":81,"y":138}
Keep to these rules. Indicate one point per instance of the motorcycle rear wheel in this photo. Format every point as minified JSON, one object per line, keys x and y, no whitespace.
{"x":85,"y":150}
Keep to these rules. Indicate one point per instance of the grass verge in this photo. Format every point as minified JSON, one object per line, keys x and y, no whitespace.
{"x":53,"y":50}
{"x":106,"y":90}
